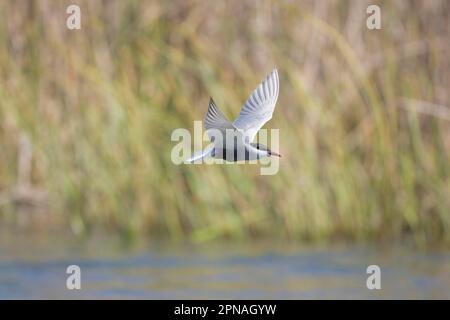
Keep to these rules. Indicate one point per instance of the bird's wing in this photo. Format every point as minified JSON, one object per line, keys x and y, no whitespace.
{"x":201,"y":154}
{"x":216,"y":121}
{"x":259,"y":107}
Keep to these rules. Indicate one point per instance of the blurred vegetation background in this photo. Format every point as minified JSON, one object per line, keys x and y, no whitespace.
{"x":86,"y":118}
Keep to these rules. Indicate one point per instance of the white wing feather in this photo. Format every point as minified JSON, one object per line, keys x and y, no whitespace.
{"x":217,"y":124}
{"x":215,"y":119}
{"x":259,"y":107}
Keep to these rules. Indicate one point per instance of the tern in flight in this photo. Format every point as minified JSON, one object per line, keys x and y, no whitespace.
{"x":257,"y":110}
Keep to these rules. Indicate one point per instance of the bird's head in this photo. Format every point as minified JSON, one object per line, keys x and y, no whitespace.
{"x":265,"y":149}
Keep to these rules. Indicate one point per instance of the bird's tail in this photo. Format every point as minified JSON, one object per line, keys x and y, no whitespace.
{"x":201,"y":154}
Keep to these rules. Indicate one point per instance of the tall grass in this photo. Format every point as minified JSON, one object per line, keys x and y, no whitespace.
{"x":363,"y":117}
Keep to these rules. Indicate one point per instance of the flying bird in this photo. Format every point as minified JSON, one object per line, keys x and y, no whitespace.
{"x":233,"y":141}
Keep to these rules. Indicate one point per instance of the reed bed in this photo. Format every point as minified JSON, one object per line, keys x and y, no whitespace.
{"x":86,"y":118}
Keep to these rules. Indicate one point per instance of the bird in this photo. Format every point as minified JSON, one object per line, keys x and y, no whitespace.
{"x":233,"y":141}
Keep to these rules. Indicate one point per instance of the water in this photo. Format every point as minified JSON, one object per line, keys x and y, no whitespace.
{"x":34,"y":268}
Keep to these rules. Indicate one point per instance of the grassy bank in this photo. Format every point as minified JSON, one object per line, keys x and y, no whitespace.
{"x":86,"y":118}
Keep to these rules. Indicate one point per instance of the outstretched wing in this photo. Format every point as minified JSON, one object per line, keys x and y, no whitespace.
{"x":216,"y":124}
{"x":259,"y":107}
{"x":215,"y":119}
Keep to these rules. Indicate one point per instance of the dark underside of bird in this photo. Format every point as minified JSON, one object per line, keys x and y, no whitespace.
{"x":254,"y":151}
